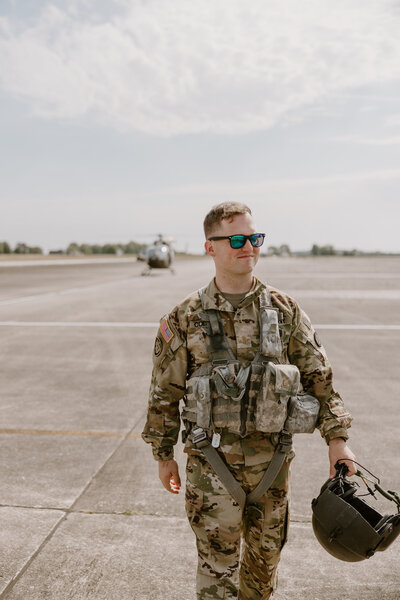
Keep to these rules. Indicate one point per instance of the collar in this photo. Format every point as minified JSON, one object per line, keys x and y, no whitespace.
{"x":213,"y":298}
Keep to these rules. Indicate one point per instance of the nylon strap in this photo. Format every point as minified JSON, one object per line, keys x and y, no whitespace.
{"x":227,"y":478}
{"x":219,"y":349}
{"x":268,"y":478}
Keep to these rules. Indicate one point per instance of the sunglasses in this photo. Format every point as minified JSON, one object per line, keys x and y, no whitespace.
{"x":239,"y":240}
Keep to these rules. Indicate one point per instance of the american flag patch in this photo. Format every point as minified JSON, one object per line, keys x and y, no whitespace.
{"x":166,"y":330}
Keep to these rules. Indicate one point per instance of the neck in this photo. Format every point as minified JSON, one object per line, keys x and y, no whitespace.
{"x":237,"y":285}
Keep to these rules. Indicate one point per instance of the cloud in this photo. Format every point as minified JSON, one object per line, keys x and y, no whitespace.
{"x":180,"y":67}
{"x":393,"y":140}
{"x":278,"y":185}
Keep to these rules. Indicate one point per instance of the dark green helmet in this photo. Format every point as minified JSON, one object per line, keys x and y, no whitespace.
{"x":345,"y":525}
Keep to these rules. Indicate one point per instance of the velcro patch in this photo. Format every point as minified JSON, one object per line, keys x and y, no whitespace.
{"x":317,"y":339}
{"x":166,"y":330}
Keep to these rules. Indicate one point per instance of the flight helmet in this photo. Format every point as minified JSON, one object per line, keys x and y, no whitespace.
{"x":345,"y":525}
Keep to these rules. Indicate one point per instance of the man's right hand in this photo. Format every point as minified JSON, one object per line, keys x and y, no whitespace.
{"x":168,"y":473}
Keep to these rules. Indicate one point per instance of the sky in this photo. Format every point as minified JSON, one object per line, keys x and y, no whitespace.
{"x":122,"y":119}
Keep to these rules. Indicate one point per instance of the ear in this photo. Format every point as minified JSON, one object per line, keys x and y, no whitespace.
{"x":209,"y":247}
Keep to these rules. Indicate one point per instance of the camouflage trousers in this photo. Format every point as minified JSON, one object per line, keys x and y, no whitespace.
{"x":238,"y":553}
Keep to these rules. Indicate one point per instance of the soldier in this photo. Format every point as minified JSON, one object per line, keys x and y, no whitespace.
{"x":235,"y":352}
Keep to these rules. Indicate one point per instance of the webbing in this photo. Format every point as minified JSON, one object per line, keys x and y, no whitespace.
{"x":232,"y":485}
{"x":226,"y":477}
{"x":268,"y":478}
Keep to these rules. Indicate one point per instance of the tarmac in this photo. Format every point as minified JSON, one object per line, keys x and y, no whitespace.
{"x":82,"y":512}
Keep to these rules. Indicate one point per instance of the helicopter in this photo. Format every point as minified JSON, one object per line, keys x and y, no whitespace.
{"x":159,"y":256}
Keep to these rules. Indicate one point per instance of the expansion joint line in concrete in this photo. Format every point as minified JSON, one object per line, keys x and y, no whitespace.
{"x":126,"y":513}
{"x":66,"y":512}
{"x":71,"y":511}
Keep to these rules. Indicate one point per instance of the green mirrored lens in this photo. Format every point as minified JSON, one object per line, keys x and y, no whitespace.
{"x":237,"y":241}
{"x":256,"y":239}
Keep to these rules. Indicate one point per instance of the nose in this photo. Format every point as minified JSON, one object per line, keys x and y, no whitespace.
{"x":248,"y":245}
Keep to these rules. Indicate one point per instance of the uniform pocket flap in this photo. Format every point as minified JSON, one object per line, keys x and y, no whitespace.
{"x":287,"y":378}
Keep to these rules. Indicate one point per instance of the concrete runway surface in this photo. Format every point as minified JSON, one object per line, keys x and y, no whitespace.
{"x":83,"y":515}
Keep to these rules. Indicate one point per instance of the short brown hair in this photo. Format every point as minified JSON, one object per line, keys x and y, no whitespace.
{"x":225,"y":210}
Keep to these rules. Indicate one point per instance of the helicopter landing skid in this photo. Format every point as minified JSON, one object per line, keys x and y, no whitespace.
{"x":148,"y":270}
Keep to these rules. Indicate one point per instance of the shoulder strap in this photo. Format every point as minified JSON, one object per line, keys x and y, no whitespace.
{"x":219,"y":349}
{"x":281,"y":452}
{"x":270,"y":340}
{"x":265,"y":298}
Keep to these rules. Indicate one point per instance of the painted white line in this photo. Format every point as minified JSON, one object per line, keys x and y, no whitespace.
{"x":335,"y":275}
{"x":359,"y":327}
{"x":347,"y":294}
{"x":77,"y":324}
{"x":152,"y":324}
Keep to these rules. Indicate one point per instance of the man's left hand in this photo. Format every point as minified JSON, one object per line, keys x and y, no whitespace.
{"x":339,"y":449}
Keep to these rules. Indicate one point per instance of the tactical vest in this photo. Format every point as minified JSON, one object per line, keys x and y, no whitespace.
{"x":223,"y":393}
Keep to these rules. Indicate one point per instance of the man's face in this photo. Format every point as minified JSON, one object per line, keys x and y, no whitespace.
{"x":229,"y":260}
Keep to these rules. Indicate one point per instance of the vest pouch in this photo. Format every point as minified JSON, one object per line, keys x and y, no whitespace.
{"x":198,"y":401}
{"x":302,"y":414}
{"x":228,"y":386}
{"x":271,"y":344}
{"x":230,"y":380}
{"x":279,"y":382}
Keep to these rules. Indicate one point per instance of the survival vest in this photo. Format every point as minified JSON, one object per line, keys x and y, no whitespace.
{"x":223,"y":393}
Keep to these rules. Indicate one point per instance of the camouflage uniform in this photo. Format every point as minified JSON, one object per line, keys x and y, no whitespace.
{"x":216,"y":518}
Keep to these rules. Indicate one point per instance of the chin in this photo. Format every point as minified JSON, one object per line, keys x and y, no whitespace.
{"x":246,"y":269}
{"x":248,"y":263}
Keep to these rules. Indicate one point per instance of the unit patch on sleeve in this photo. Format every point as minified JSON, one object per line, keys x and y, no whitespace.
{"x":157,"y":346}
{"x":166,"y":330}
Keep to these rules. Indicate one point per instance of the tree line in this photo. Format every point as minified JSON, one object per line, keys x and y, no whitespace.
{"x":20,"y":248}
{"x":327,"y":250}
{"x":87,"y":249}
{"x":75,"y":249}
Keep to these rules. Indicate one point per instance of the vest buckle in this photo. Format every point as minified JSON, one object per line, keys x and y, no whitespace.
{"x":285,"y":442}
{"x":198,"y":437}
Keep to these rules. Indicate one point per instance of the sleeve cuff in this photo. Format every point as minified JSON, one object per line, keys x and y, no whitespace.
{"x":337,"y":432}
{"x":163,"y":453}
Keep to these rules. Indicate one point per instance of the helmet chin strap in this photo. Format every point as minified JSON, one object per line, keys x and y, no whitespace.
{"x":342,"y":471}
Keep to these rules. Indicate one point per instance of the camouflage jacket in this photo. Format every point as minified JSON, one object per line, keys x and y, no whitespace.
{"x":180,"y":349}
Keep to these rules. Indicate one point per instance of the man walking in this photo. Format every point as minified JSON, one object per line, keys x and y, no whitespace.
{"x":235,"y":352}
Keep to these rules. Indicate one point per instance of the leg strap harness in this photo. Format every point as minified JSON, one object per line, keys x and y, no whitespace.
{"x":200,"y":440}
